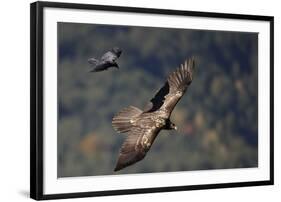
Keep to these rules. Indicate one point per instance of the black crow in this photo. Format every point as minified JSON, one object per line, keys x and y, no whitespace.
{"x":107,"y":60}
{"x":143,"y":126}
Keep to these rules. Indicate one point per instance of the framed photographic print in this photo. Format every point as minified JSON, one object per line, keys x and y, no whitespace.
{"x":134,"y":100}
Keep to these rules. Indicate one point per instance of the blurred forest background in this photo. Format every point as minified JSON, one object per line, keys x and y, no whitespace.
{"x":217,"y":117}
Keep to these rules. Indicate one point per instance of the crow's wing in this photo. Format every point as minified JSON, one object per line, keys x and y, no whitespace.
{"x":109,"y":57}
{"x":101,"y":66}
{"x":136,"y":145}
{"x":174,"y":88}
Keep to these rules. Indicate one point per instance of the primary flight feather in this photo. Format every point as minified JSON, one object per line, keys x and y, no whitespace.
{"x":142,"y":127}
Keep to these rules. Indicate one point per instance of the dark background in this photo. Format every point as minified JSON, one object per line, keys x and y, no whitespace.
{"x":217,"y":117}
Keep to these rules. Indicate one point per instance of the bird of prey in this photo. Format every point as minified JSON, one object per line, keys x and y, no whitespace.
{"x":142,"y":127}
{"x":106,"y":61}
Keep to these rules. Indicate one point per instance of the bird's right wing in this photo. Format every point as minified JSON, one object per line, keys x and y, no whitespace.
{"x":135,"y":147}
{"x":109,"y":57}
{"x":173,"y":89}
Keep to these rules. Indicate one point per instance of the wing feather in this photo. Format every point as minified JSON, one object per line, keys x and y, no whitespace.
{"x":176,"y":84}
{"x":109,"y":57}
{"x":136,"y":145}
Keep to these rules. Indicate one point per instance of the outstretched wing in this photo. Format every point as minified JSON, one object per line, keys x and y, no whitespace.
{"x":109,"y":57}
{"x":135,"y":147}
{"x":174,"y":88}
{"x":101,"y":66}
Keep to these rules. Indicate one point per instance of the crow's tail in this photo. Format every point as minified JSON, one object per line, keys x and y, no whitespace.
{"x":93,"y":61}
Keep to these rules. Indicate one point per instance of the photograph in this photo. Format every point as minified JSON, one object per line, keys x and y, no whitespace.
{"x":141,"y":99}
{"x":130,"y":100}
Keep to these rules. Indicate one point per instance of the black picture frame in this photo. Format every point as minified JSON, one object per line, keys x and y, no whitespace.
{"x":37,"y":99}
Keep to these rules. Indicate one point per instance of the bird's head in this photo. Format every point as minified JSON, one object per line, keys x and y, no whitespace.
{"x":117,"y":51}
{"x":171,"y":126}
{"x":115,"y":65}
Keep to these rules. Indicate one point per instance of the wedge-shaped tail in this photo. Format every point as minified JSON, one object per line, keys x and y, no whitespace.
{"x":93,"y":61}
{"x":122,"y":122}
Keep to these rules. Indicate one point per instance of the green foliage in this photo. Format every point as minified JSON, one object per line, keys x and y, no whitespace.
{"x":217,"y":117}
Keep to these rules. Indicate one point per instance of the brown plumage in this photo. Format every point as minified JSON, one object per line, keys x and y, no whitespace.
{"x":143,"y":127}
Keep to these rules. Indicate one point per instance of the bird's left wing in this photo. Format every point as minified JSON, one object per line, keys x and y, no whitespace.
{"x":135,"y":147}
{"x":174,"y":88}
